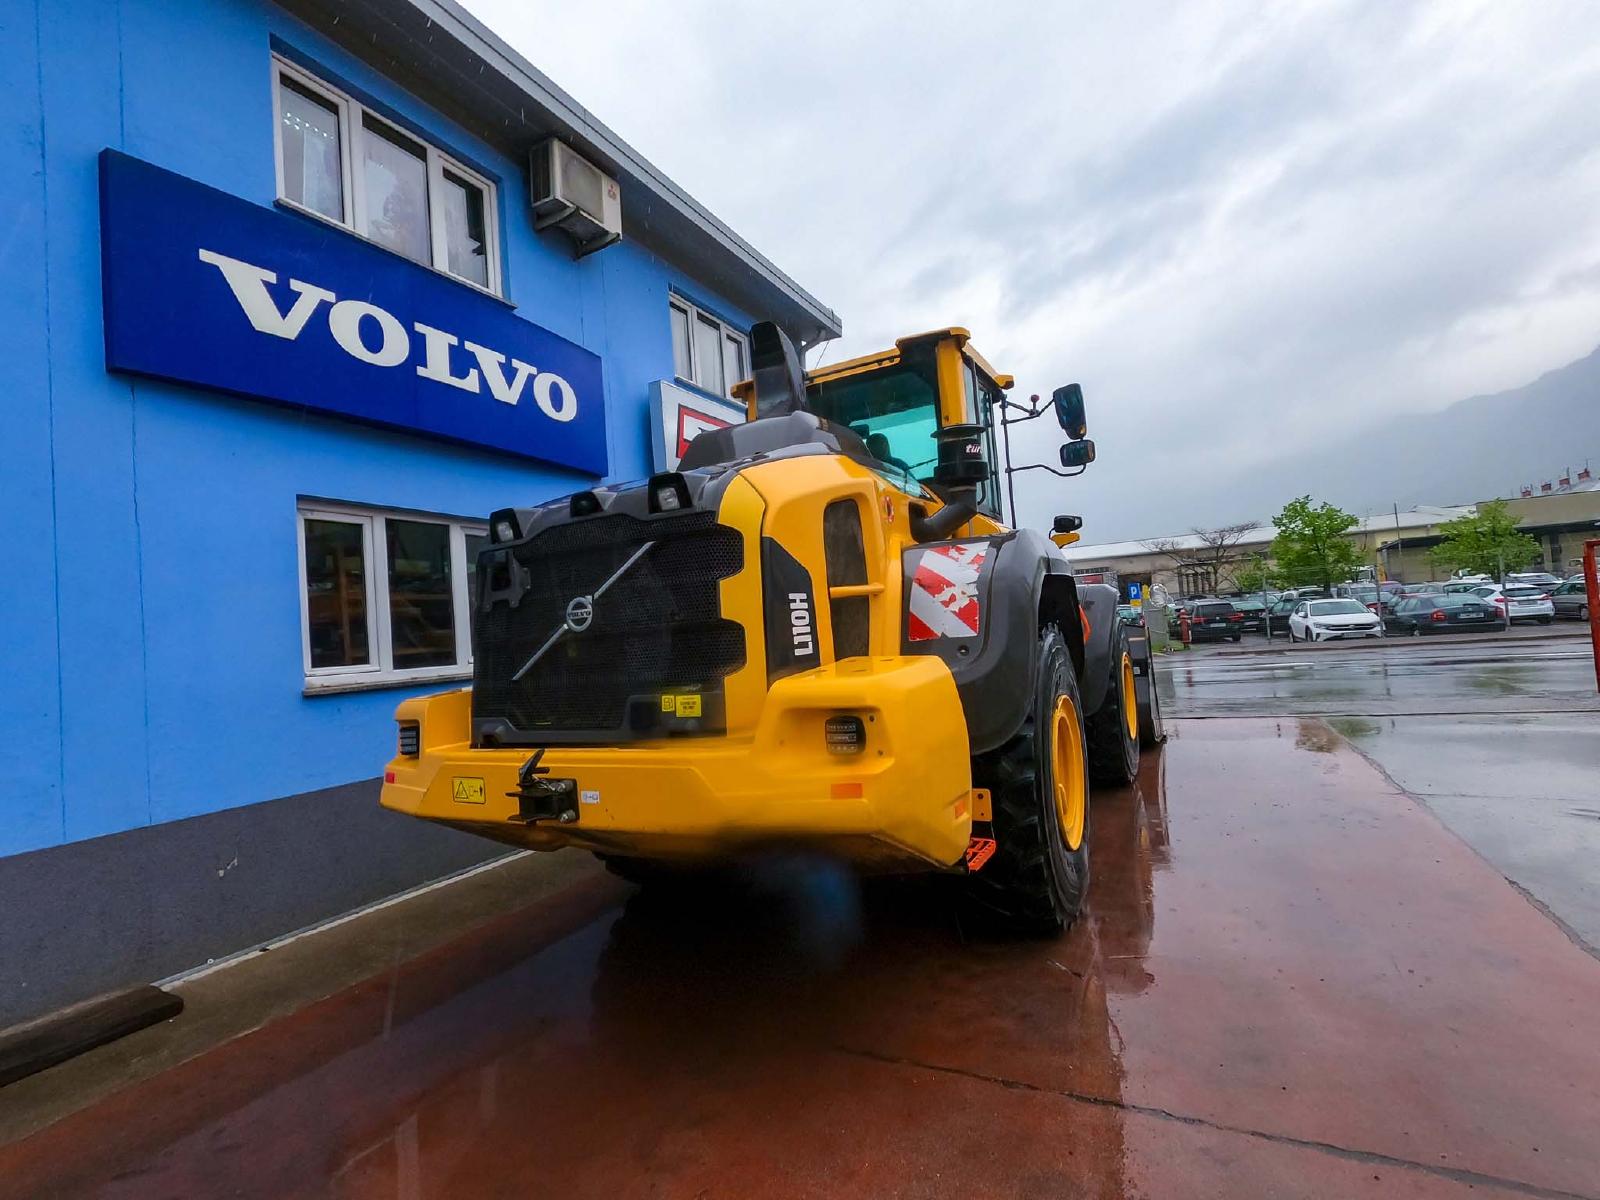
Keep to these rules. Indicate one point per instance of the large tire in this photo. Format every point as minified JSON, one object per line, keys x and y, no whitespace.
{"x":1114,"y":729}
{"x":1035,"y":882}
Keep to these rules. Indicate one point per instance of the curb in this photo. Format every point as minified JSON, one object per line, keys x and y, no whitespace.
{"x":32,"y":1046}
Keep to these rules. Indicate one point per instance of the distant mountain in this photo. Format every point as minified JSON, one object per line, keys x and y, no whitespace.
{"x":1475,"y":449}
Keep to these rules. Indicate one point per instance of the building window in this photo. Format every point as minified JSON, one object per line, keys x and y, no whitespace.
{"x":385,"y":596}
{"x":706,"y":352}
{"x":340,"y":162}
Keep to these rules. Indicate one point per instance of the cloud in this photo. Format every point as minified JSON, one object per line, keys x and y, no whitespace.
{"x":1239,"y":226}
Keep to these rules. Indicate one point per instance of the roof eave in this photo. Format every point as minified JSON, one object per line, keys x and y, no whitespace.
{"x":448,"y":57}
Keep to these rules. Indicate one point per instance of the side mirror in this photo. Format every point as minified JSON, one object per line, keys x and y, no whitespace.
{"x":1069,"y":410}
{"x":1077,"y":454}
{"x":1067,"y":524}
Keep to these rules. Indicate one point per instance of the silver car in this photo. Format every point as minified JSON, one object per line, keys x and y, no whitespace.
{"x":1571,"y":599}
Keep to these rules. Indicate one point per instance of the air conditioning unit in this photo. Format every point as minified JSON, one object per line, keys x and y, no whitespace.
{"x":575,"y":196}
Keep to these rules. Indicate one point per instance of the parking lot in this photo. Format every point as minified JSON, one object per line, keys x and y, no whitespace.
{"x":1340,"y":942}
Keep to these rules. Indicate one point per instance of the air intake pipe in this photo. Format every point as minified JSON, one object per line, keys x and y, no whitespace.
{"x":961,"y":468}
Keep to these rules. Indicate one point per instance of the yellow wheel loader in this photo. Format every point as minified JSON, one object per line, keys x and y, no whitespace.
{"x":816,"y":632}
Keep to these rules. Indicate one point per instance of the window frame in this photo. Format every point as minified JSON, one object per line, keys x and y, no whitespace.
{"x":380,"y":671}
{"x":726,"y":333}
{"x":352,"y":117}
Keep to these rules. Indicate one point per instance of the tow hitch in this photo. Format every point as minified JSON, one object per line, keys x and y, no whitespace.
{"x":543,"y":799}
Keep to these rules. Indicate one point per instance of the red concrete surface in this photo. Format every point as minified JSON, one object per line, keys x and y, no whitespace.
{"x":1292,"y":982}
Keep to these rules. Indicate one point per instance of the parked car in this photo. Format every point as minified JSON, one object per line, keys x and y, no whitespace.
{"x":1305,"y":593}
{"x":1423,"y":589}
{"x":1520,"y":603}
{"x":1538,"y":579}
{"x":1571,"y":599}
{"x":1253,"y":614}
{"x":1455,"y":613}
{"x":1278,"y":614}
{"x":1130,"y":614}
{"x":1323,"y":620}
{"x":1464,"y":587}
{"x":1214,"y":621}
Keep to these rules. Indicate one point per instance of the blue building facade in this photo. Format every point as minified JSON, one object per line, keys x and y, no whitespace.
{"x":280,"y":329}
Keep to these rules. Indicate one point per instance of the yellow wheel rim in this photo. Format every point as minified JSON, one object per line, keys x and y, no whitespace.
{"x":1067,"y":771}
{"x":1130,"y":699}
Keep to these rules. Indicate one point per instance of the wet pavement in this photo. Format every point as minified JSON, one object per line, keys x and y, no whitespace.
{"x":1431,"y":675}
{"x":1292,"y":981}
{"x":1501,"y":742}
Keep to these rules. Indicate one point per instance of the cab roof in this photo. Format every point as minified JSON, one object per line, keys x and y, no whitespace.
{"x":888,"y":358}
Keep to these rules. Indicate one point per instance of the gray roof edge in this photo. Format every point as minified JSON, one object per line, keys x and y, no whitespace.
{"x":458,"y":23}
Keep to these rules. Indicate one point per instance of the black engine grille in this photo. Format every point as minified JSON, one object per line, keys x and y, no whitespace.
{"x":657,"y":629}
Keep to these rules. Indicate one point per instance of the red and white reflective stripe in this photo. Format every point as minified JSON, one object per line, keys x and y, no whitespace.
{"x":944,"y":592}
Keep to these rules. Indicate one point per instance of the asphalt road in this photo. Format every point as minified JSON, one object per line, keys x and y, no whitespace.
{"x":1291,"y":980}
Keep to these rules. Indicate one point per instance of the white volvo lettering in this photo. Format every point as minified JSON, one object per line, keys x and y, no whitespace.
{"x":436,"y":345}
{"x":249,"y":286}
{"x":568,"y":406}
{"x":344,"y":322}
{"x":347,"y":320}
{"x":493,"y":365}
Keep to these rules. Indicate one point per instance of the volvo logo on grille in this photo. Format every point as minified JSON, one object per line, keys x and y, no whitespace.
{"x":580,"y":611}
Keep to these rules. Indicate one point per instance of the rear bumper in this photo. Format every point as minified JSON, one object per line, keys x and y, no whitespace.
{"x":902,"y":801}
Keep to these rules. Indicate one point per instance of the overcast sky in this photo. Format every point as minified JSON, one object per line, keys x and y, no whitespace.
{"x":1221,"y":218}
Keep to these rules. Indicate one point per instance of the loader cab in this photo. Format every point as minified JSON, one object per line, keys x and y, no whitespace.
{"x":896,"y":401}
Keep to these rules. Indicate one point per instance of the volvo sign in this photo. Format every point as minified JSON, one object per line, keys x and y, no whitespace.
{"x":205,"y":288}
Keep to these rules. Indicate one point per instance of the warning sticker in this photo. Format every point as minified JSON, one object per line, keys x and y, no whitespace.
{"x":466,"y":791}
{"x":589,"y":797}
{"x":686,"y":704}
{"x":689,"y":706}
{"x":944,"y":592}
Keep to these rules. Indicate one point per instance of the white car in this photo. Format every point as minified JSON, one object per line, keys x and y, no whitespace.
{"x":1520,"y":603}
{"x":1322,"y":620}
{"x":1539,"y":579}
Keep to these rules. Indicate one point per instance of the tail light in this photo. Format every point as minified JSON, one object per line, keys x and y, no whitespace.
{"x":1372,"y":607}
{"x":1437,"y":615}
{"x":1236,"y":617}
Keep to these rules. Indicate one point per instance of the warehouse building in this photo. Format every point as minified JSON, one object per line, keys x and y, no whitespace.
{"x":296,"y":295}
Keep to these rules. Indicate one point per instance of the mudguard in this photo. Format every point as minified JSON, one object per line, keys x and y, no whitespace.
{"x":1099,"y":602}
{"x":977,"y":603}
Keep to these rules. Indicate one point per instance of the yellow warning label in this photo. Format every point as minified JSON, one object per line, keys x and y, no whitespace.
{"x":688,"y":706}
{"x":466,"y":791}
{"x":668,"y":703}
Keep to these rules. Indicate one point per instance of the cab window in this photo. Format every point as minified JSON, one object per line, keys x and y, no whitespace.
{"x":983,"y":408}
{"x":894,"y":410}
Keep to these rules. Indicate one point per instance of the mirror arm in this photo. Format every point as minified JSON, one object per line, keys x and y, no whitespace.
{"x":1052,"y":470}
{"x":1027,"y":416}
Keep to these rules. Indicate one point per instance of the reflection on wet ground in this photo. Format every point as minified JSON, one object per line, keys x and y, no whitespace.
{"x":1290,"y":981}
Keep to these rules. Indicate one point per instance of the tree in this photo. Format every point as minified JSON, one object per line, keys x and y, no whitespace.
{"x":1311,"y":548}
{"x":1256,"y":575}
{"x":1487,"y":543}
{"x":1202,"y":566}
